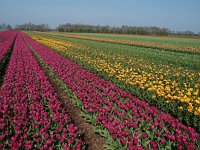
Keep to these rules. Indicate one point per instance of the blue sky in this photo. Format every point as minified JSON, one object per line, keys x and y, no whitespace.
{"x":174,"y":14}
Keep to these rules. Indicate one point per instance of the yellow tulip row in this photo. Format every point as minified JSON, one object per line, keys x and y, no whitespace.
{"x":59,"y":44}
{"x":162,"y":81}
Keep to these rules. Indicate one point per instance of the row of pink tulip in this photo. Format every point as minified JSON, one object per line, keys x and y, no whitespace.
{"x":31,"y":115}
{"x":4,"y":35}
{"x":133,"y":122}
{"x":7,"y":38}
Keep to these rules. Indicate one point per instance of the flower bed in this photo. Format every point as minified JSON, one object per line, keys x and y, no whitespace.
{"x":131,"y":122}
{"x":31,"y":115}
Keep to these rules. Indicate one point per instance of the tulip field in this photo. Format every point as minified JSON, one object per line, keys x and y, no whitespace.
{"x":31,"y":115}
{"x":136,"y":94}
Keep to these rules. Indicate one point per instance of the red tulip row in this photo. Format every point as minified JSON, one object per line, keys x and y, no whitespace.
{"x":31,"y":117}
{"x":5,"y":34}
{"x":132,"y":122}
{"x":7,"y":38}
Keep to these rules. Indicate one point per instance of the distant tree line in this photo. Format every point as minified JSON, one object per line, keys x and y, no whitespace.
{"x":33,"y":27}
{"x":187,"y":33}
{"x":85,"y":28}
{"x":108,"y":29}
{"x":124,"y":29}
{"x":4,"y":26}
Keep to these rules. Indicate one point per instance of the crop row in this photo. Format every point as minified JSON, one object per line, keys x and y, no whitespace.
{"x":132,"y":123}
{"x":179,"y":48}
{"x":31,"y":115}
{"x":174,"y":90}
{"x":3,"y":36}
{"x":7,"y":38}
